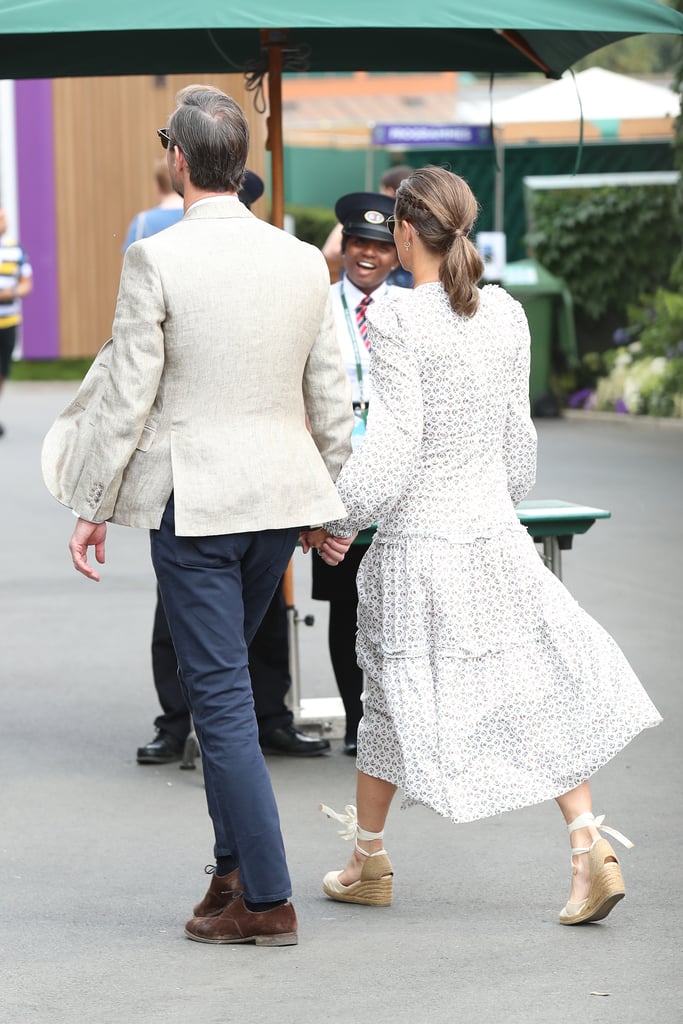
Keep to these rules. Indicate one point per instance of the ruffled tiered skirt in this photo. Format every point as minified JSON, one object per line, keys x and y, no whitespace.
{"x":488,"y":688}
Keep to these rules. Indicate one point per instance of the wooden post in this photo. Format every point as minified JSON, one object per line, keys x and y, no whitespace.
{"x":275,"y":40}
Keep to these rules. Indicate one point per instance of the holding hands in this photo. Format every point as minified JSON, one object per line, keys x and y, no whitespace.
{"x":331,"y":549}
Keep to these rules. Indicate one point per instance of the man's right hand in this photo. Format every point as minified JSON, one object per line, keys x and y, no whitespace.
{"x":87,"y":535}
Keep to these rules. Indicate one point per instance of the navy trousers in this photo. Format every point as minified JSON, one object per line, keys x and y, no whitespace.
{"x":215,"y":592}
{"x":268,"y":668}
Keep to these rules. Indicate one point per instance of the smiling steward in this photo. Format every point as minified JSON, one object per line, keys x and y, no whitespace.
{"x":369,"y":257}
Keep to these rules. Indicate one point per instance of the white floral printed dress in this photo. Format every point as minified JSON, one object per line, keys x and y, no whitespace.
{"x":487,"y":687}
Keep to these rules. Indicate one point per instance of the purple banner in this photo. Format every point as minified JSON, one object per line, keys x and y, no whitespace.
{"x":37,"y":215}
{"x":434,"y":136}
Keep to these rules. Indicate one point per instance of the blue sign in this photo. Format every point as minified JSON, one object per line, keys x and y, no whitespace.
{"x":432,"y":135}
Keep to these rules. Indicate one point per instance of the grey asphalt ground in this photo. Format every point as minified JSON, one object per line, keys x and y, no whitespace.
{"x":102,"y":860}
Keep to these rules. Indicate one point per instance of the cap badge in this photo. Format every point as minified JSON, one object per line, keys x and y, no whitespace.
{"x":373,"y":217}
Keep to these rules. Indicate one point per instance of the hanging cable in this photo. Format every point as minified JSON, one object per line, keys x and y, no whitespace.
{"x":221,"y":52}
{"x":255,"y":70}
{"x":491,"y":125}
{"x":579,"y":152}
{"x":295,"y":59}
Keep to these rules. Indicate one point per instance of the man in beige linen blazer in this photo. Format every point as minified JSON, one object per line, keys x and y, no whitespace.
{"x":222,"y":344}
{"x":193,"y":424}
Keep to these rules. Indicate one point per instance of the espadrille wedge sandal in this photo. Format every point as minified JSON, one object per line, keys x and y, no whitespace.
{"x":374,"y":888}
{"x":607,"y":881}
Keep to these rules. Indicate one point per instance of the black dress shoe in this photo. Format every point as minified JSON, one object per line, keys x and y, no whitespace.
{"x":350,"y":748}
{"x":289,"y":740}
{"x":163,"y":749}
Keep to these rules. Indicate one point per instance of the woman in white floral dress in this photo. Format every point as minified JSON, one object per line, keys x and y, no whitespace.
{"x":487,"y":687}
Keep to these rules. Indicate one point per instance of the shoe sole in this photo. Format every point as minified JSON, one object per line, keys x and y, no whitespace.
{"x":607,"y":885}
{"x":599,"y":913}
{"x":368,"y":894}
{"x":296,"y":753}
{"x":158,"y":760}
{"x":286,"y":939}
{"x":359,"y":900}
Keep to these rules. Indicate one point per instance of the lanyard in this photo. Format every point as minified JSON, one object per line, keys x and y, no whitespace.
{"x":353,"y":334}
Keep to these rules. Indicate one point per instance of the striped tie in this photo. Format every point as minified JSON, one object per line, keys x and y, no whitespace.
{"x":361,"y":309}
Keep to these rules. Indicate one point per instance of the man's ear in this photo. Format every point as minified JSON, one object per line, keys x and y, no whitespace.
{"x":179,"y":157}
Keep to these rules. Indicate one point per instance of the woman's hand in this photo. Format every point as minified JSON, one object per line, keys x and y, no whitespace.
{"x":334,"y":549}
{"x":331,"y":549}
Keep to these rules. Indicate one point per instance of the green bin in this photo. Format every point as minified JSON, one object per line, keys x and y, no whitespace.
{"x":548,"y":305}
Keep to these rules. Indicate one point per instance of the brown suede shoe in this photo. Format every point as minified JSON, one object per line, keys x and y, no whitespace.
{"x":276,"y":927}
{"x":223,"y":890}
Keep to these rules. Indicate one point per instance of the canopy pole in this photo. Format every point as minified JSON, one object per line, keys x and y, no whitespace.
{"x":519,"y":42}
{"x":275,"y":40}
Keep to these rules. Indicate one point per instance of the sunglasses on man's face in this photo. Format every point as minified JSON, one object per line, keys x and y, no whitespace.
{"x":164,"y":137}
{"x":391,"y":224}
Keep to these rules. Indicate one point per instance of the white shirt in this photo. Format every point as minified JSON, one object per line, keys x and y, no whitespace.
{"x":360,"y":390}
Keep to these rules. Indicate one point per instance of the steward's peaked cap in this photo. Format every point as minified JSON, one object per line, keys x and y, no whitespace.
{"x":252,"y":188}
{"x":364,"y":215}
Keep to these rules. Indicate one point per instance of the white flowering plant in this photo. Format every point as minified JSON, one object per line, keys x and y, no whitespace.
{"x":643,"y":375}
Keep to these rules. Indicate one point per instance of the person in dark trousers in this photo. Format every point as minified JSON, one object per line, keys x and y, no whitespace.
{"x":270,"y":682}
{"x":217,"y":417}
{"x":269,"y":650}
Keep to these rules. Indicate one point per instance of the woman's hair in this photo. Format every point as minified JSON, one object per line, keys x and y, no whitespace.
{"x":442,"y":209}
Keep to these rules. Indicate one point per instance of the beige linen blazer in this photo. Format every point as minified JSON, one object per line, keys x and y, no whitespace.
{"x":223,"y":342}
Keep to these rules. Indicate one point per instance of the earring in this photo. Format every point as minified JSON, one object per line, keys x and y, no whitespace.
{"x":406,"y":245}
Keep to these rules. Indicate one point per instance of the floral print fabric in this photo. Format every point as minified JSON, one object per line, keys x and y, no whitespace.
{"x":487,"y":687}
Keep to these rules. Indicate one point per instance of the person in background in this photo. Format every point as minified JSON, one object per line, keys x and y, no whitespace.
{"x":168,"y":210}
{"x":487,"y":687}
{"x":16,"y":282}
{"x":269,"y":650}
{"x":369,"y":258}
{"x":332,"y":249}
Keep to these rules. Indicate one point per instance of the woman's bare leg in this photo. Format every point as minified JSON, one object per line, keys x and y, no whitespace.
{"x":572,"y":804}
{"x":373,"y":800}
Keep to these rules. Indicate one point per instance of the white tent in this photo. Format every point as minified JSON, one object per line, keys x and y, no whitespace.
{"x":604,"y":96}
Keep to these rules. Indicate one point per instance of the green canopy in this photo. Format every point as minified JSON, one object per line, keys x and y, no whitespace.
{"x":54,"y":38}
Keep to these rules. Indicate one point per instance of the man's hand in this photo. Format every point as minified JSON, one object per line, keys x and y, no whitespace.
{"x":312,"y":539}
{"x":331,"y":549}
{"x":87,"y":535}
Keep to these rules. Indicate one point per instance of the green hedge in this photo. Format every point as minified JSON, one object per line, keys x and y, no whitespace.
{"x":312,"y":223}
{"x":50,"y":369}
{"x":611,"y":245}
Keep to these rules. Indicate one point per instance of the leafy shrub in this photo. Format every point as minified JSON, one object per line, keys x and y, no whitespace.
{"x":609,"y":244}
{"x":644,"y":374}
{"x":658,"y":324}
{"x":312,"y":223}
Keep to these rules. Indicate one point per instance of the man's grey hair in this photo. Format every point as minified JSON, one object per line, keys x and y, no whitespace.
{"x":213,"y":134}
